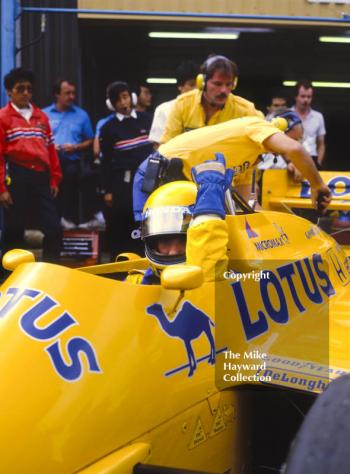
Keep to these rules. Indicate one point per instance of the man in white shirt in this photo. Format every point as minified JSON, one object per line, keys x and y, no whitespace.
{"x":186,"y":74}
{"x":313,"y":122}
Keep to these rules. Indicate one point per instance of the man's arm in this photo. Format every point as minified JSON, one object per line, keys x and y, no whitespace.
{"x":87,"y":136}
{"x":5,"y":196}
{"x":76,"y":147}
{"x":55,"y":167}
{"x":321,"y":149}
{"x":55,"y":170}
{"x":96,"y":146}
{"x":84,"y":145}
{"x":207,"y":237}
{"x":106,"y":145}
{"x":295,"y":152}
{"x":157,"y":127}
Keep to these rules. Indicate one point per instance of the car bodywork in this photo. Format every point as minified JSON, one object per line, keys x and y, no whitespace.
{"x":99,"y":375}
{"x":281,"y":193}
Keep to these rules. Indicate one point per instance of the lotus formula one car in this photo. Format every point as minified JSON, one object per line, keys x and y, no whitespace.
{"x":99,"y":375}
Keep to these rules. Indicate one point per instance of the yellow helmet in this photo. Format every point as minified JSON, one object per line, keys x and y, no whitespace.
{"x":167,"y":214}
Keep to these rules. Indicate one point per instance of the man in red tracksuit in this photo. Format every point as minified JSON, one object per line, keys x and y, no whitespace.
{"x":28,"y":157}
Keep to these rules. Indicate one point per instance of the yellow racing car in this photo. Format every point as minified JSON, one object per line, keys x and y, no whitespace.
{"x":100,"y":375}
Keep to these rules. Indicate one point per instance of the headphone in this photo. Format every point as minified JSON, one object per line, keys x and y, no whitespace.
{"x":202,"y":79}
{"x":109,"y":104}
{"x":286,"y":120}
{"x":280,"y":123}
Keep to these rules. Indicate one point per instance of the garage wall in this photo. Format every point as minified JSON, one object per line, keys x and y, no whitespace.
{"x":55,"y":54}
{"x":242,"y":7}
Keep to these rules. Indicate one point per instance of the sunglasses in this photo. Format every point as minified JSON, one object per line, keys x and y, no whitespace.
{"x":22,"y":89}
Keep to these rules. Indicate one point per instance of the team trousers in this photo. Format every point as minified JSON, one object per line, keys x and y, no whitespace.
{"x":31,"y":195}
{"x":122,"y":229}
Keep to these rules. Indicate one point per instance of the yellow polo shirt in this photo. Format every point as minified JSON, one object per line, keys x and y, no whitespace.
{"x":188,"y":114}
{"x":240,"y":140}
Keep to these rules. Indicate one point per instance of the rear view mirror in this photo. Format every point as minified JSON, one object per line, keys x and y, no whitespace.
{"x":15,"y":257}
{"x":182,"y":277}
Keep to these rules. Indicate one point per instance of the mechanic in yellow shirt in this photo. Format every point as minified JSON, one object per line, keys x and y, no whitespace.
{"x":211,"y":103}
{"x":241,"y":141}
{"x":180,"y":224}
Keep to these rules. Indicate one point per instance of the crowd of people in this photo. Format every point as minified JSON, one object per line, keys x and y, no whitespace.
{"x":47,"y":181}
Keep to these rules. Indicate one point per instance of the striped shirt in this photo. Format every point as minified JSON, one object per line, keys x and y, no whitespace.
{"x":28,"y":143}
{"x":124,"y":145}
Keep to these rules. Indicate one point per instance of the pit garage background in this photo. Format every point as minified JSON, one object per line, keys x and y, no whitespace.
{"x":276,"y":43}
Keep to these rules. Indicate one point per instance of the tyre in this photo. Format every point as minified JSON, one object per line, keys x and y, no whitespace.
{"x":322,"y":443}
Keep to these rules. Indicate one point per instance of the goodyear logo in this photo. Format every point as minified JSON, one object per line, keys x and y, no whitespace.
{"x":309,"y":273}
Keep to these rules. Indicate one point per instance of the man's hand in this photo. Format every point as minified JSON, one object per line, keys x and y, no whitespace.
{"x":54,"y":191}
{"x":108,"y":198}
{"x":321,"y":197}
{"x":6,"y":199}
{"x":69,"y":148}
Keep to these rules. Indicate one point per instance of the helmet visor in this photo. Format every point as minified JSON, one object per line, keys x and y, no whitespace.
{"x":165,"y":220}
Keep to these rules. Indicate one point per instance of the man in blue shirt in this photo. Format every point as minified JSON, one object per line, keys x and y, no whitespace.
{"x":73,"y":134}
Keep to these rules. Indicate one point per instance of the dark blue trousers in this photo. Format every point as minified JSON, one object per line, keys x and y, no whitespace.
{"x":31,"y":195}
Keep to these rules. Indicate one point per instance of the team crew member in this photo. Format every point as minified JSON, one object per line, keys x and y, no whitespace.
{"x":182,"y":225}
{"x":272,"y":160}
{"x":186,"y":74}
{"x":211,"y":103}
{"x":73,"y":134}
{"x":278,"y":102}
{"x":124,"y":144}
{"x":26,"y":145}
{"x":144,"y":98}
{"x":241,"y":141}
{"x":313,"y":122}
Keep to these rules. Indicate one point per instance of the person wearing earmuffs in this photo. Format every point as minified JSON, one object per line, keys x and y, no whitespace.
{"x":211,"y":102}
{"x":124,"y":145}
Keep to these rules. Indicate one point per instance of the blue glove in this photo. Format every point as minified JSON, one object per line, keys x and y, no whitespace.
{"x":212,"y":179}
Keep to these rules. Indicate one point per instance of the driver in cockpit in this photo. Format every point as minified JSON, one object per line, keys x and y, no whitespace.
{"x":184,"y":221}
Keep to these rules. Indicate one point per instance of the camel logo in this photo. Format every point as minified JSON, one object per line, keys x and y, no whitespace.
{"x":188,"y":324}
